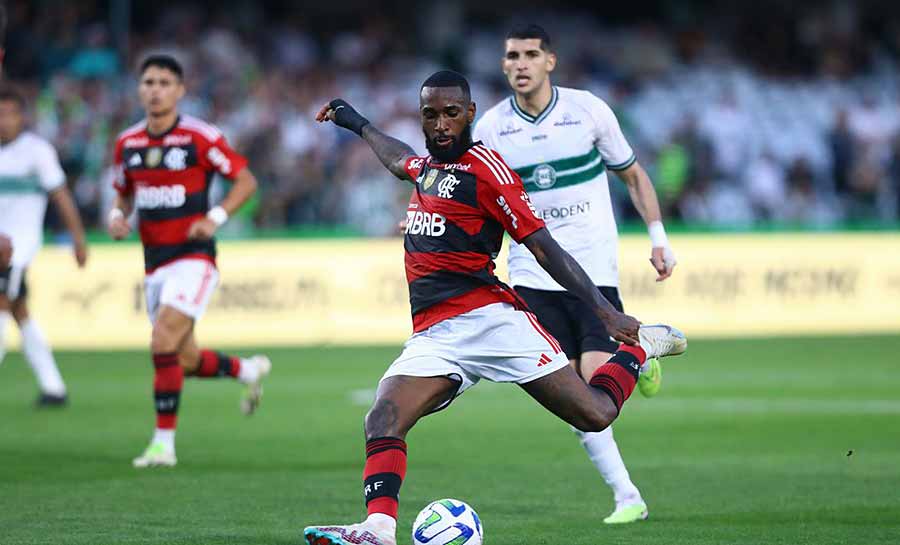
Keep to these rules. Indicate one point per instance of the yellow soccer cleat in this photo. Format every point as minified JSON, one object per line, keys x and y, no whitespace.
{"x":628,"y":513}
{"x":650,"y":380}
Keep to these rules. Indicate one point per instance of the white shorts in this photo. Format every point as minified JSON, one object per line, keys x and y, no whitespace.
{"x":185,"y":285}
{"x":495,"y":342}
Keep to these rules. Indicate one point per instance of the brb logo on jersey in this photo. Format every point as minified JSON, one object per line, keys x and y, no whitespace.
{"x":425,"y":223}
{"x":544,"y":176}
{"x":166,"y":196}
{"x":447,"y":185}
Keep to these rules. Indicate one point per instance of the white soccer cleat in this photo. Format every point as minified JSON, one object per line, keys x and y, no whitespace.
{"x":661,"y":340}
{"x":254,"y":392}
{"x":364,"y":533}
{"x":156,"y":455}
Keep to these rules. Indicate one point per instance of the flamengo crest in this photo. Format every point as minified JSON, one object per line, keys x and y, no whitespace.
{"x":446,"y":186}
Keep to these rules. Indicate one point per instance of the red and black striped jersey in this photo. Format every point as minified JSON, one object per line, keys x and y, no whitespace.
{"x":454,"y":229}
{"x":169,"y":176}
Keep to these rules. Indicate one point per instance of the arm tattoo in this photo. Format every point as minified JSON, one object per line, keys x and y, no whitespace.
{"x":563,"y":268}
{"x":391,"y":152}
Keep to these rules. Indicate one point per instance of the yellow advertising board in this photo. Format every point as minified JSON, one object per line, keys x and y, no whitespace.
{"x":294,"y":292}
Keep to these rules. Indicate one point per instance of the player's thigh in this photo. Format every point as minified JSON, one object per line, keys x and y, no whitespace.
{"x":553,"y":312}
{"x":566,"y":395}
{"x":401,"y":400}
{"x":170,"y":330}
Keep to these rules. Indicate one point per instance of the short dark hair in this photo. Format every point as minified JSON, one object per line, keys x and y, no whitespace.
{"x":166,"y":62}
{"x":8,"y":94}
{"x":449,"y":78}
{"x":530,"y":31}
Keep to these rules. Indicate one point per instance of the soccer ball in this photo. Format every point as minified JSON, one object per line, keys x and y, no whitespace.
{"x":447,"y":522}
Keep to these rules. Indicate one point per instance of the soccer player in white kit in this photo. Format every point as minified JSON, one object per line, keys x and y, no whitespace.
{"x":29,"y":172}
{"x":561,"y":142}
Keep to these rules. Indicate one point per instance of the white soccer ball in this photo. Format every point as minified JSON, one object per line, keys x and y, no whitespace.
{"x":447,"y":522}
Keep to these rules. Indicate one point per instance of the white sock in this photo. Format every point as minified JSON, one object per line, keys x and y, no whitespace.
{"x":604,"y":454}
{"x":383,"y":522}
{"x":4,"y":319}
{"x":166,"y":437}
{"x":38,"y":354}
{"x":249,"y":371}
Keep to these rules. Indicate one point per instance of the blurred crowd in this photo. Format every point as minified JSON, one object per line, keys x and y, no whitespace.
{"x":793,"y":120}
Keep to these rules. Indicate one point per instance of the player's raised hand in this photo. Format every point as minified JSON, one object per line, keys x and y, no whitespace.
{"x":343,"y":115}
{"x":202,"y":229}
{"x":622,"y":327}
{"x":663,"y":260}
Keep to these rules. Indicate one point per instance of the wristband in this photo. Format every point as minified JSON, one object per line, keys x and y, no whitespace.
{"x":347,"y":117}
{"x":115,"y":213}
{"x":658,"y":238}
{"x":218,"y":215}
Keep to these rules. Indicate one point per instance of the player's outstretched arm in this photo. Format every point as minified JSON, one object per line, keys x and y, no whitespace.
{"x":640,"y":188}
{"x":563,"y":268}
{"x":68,"y":212}
{"x":391,"y":152}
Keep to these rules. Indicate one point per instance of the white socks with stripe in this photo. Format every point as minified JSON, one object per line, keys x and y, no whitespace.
{"x":604,"y":454}
{"x":38,"y":354}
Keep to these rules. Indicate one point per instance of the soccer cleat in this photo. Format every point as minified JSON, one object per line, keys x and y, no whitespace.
{"x":650,"y":380}
{"x":51,"y":401}
{"x":661,"y":340}
{"x":156,"y":455}
{"x":254,"y":391}
{"x":628,"y":513}
{"x":364,"y":533}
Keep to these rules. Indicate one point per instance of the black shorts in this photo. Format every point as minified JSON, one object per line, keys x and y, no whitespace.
{"x":12,"y":283}
{"x":571,"y":321}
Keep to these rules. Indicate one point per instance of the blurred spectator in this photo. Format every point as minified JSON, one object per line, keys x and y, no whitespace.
{"x":803,"y":126}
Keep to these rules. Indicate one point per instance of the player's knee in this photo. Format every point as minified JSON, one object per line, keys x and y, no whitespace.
{"x":382,"y":420}
{"x":163,"y":339}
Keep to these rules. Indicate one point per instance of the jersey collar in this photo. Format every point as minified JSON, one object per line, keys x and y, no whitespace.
{"x":535,"y":120}
{"x":165,"y":132}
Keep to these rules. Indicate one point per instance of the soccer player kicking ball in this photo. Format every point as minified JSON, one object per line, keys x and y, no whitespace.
{"x":467,"y":324}
{"x":561,"y":142}
{"x":164,"y":168}
{"x":30,"y":173}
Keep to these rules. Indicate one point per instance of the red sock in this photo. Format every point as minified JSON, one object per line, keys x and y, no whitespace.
{"x":167,"y":381}
{"x":618,"y":376}
{"x":217,"y":364}
{"x":384,"y":473}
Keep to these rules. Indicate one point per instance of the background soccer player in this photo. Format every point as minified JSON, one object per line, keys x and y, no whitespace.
{"x":29,"y":173}
{"x":561,"y":142}
{"x":467,"y":324}
{"x":164,"y":167}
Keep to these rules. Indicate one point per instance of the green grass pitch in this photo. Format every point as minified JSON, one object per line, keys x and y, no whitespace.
{"x":748,"y":442}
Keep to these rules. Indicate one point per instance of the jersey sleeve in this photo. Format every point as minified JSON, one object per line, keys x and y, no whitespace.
{"x":121,"y":183}
{"x":49,"y":171}
{"x":502,"y":195}
{"x":413,"y":166}
{"x":219,"y":156}
{"x":610,"y":141}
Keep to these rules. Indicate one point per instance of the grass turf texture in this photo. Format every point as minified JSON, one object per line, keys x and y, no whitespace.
{"x":747,"y":443}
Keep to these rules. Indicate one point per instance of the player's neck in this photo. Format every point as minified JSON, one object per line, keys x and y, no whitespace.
{"x":4,"y":140}
{"x":159,"y":124}
{"x":537,"y":101}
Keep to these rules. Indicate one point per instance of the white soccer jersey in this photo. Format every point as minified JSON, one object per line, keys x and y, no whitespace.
{"x":562,"y":156}
{"x":29,"y":169}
